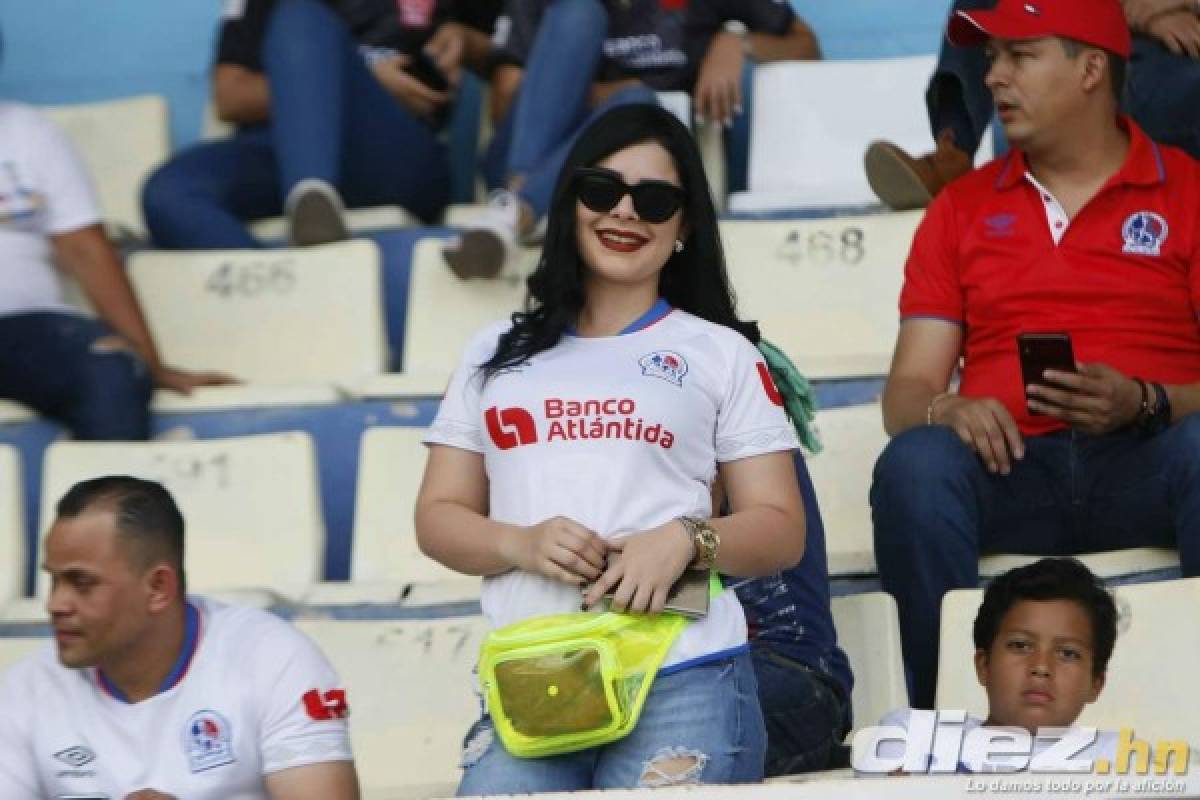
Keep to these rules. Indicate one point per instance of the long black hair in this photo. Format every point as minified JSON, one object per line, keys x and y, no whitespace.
{"x":694,"y":280}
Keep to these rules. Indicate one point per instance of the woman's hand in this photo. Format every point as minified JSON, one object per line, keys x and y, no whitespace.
{"x":643,"y":568}
{"x":560,"y":549}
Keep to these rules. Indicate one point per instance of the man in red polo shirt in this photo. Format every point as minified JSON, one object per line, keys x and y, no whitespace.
{"x":1086,"y":227}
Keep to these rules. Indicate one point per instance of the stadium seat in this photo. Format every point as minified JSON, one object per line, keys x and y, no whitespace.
{"x":812,"y":121}
{"x":358,"y":221}
{"x":1158,"y":647}
{"x":390,"y":465}
{"x":869,"y":633}
{"x":12,"y":526}
{"x":1125,"y":564}
{"x":11,"y":412}
{"x":309,"y":316}
{"x":251,"y":504}
{"x":15,"y":648}
{"x":444,"y":312}
{"x":121,"y":142}
{"x":411,"y":693}
{"x":824,"y":290}
{"x":853,"y":437}
{"x":385,"y":560}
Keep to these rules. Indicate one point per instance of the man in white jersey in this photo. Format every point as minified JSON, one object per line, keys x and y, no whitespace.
{"x":93,"y":375}
{"x":150,"y":693}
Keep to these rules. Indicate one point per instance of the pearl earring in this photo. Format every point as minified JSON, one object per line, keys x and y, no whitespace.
{"x":679,"y":245}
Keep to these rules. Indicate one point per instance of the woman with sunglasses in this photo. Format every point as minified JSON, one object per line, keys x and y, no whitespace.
{"x":577,"y":445}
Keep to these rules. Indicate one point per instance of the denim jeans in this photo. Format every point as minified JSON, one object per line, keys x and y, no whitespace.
{"x":957,"y":97}
{"x":806,"y":713}
{"x":55,"y":363}
{"x":551,"y":107}
{"x":710,"y":712}
{"x":330,"y":119}
{"x":936,"y":509}
{"x":1163,"y":94}
{"x":804,"y":679}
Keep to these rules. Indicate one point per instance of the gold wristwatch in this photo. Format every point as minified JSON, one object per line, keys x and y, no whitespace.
{"x":705,"y":539}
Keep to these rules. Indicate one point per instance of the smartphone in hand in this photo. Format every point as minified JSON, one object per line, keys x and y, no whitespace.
{"x":1042,"y":351}
{"x":425,"y":69}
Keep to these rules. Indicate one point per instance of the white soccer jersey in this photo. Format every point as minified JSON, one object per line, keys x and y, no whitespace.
{"x":257,"y":697}
{"x":44,"y":190}
{"x":619,"y":433}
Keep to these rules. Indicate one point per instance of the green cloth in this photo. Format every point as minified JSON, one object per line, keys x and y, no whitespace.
{"x":798,"y":398}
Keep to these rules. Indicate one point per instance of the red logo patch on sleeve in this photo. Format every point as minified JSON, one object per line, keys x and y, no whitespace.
{"x":768,"y":384}
{"x":323,"y":706}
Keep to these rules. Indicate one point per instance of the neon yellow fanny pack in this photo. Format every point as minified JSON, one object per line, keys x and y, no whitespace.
{"x":567,"y":682}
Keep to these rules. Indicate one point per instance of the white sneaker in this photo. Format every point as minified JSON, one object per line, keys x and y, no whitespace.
{"x":489,"y":242}
{"x":315,"y":214}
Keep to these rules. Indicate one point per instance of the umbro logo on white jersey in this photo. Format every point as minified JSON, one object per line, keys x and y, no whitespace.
{"x":76,"y":756}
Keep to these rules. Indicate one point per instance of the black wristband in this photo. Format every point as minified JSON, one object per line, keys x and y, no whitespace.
{"x":1144,"y":411}
{"x":1157,"y":415}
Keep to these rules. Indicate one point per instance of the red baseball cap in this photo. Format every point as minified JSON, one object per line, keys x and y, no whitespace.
{"x":1100,"y":23}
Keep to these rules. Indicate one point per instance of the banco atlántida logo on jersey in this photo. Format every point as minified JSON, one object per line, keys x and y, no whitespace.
{"x":571,"y":420}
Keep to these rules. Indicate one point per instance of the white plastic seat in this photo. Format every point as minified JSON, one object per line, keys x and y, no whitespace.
{"x":11,"y":413}
{"x":358,"y":221}
{"x":1113,"y":564}
{"x":409,"y":684}
{"x":12,"y":526}
{"x":824,"y":290}
{"x":391,"y":462}
{"x":869,"y":633}
{"x":853,"y":438}
{"x":812,"y":120}
{"x":15,"y":648}
{"x":1152,"y":666}
{"x":444,"y":312}
{"x":251,"y":504}
{"x":121,"y":142}
{"x":308,"y":316}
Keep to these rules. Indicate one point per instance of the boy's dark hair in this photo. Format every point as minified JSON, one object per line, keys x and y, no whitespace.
{"x":147,"y":518}
{"x":1051,"y":579}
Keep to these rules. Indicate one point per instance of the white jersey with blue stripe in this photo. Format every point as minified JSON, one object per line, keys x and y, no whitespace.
{"x":253,"y":697}
{"x":620,"y":434}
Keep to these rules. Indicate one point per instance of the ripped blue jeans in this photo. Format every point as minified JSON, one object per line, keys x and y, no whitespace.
{"x":700,"y":725}
{"x":75,"y":370}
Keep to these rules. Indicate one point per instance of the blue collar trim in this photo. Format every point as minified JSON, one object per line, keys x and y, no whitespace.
{"x":190,"y":639}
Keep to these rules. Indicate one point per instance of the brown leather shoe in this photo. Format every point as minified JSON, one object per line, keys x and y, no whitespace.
{"x":903,"y":182}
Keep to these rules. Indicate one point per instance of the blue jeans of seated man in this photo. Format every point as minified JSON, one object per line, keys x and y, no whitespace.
{"x":330,"y":119}
{"x":957,"y":97}
{"x":805,"y":713}
{"x":936,"y":508}
{"x":710,"y":712}
{"x":1162,"y":93}
{"x":60,"y":365}
{"x":551,"y":107}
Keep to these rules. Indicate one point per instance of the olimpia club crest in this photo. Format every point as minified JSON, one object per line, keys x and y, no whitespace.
{"x":1144,"y":233}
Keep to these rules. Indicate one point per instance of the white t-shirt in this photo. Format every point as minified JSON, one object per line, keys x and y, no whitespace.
{"x":257,"y":697}
{"x":44,"y":190}
{"x":620,"y":434}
